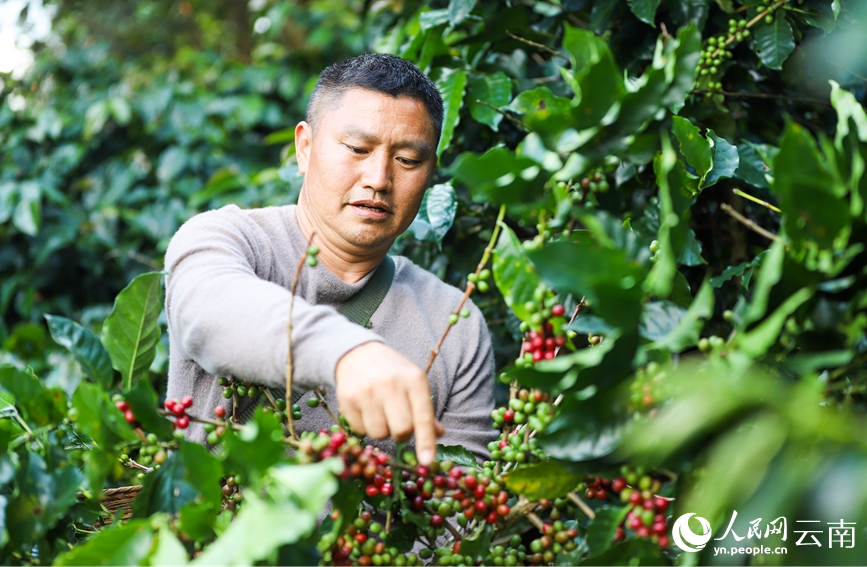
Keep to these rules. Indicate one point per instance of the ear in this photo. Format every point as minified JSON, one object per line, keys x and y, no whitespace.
{"x":303,"y":145}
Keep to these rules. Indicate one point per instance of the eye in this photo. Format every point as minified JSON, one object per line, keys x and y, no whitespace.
{"x":409,"y":162}
{"x":356,"y":150}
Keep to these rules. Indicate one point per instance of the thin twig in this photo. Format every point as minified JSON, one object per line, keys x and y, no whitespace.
{"x":774,"y":96}
{"x":732,"y":38}
{"x":131,"y":464}
{"x":324,"y":403}
{"x":388,"y":521}
{"x":581,"y":504}
{"x":538,"y":46}
{"x":747,"y":222}
{"x":740,"y":193}
{"x":235,"y":405}
{"x":536,"y":521}
{"x":290,"y":368}
{"x":470,"y":285}
{"x":505,"y":114}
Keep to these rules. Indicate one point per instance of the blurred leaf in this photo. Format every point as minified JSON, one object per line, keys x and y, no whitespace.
{"x":40,"y":405}
{"x":258,"y":446}
{"x":690,"y":11}
{"x":478,"y":545}
{"x":848,"y":108}
{"x":757,"y":341}
{"x":688,"y":329}
{"x":809,"y":195}
{"x":172,"y":162}
{"x":542,"y":480}
{"x":694,"y":147}
{"x":452,"y":86}
{"x":458,"y":10}
{"x":600,"y":87}
{"x":769,"y":274}
{"x":28,"y":212}
{"x":600,"y":534}
{"x":246,"y":542}
{"x":690,"y":253}
{"x":169,"y":550}
{"x":725,"y":160}
{"x":94,"y":119}
{"x":311,"y":485}
{"x":774,"y":42}
{"x":494,"y":89}
{"x":499,"y":176}
{"x":131,"y":332}
{"x":751,"y":167}
{"x":458,"y":454}
{"x":143,"y":402}
{"x":683,"y":61}
{"x":127,"y":543}
{"x":659,"y":319}
{"x":8,"y":198}
{"x":543,"y":112}
{"x":514,"y":273}
{"x":436,"y":215}
{"x":189,"y":474}
{"x":99,"y":418}
{"x":644,"y":10}
{"x":86,"y":347}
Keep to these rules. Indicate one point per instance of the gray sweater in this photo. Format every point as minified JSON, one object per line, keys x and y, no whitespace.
{"x":227,"y":304}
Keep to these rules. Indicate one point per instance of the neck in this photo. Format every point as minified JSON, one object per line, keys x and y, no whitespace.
{"x":349,"y":266}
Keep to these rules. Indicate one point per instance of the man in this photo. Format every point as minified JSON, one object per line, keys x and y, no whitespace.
{"x":368,"y":151}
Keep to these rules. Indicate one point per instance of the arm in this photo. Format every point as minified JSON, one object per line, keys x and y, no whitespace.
{"x":233,"y":322}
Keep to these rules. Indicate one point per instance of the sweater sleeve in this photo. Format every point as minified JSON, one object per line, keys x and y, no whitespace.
{"x":467,"y":417}
{"x":232,"y":322}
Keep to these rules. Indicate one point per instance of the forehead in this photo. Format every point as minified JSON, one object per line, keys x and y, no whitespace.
{"x":365,"y":110}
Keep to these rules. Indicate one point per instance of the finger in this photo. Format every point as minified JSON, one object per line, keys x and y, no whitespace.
{"x":423,"y":422}
{"x":374,"y":421}
{"x":398,"y":415}
{"x":353,"y":418}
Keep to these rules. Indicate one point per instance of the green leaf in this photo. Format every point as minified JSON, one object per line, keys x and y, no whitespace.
{"x":143,"y":402}
{"x":600,"y":534}
{"x":127,"y":543}
{"x":684,"y":55}
{"x":725,"y":160}
{"x":86,"y":347}
{"x":543,"y":112}
{"x":660,"y":318}
{"x":644,"y":10}
{"x":258,"y":446}
{"x":592,"y":440}
{"x":451,"y":86}
{"x":756,"y":342}
{"x":458,"y":10}
{"x":774,"y":42}
{"x":478,"y":544}
{"x":810,"y":196}
{"x":8,"y":199}
{"x":494,"y":89}
{"x":513,"y":272}
{"x":436,"y":215}
{"x":770,"y":272}
{"x":694,"y":147}
{"x":311,"y":485}
{"x":600,"y":86}
{"x":187,"y":474}
{"x":40,"y":405}
{"x":99,"y":418}
{"x":848,"y":108}
{"x":458,"y":454}
{"x":94,"y":119}
{"x":543,"y":480}
{"x":245,"y":542}
{"x":499,"y":176}
{"x":751,"y":167}
{"x":169,"y":550}
{"x":131,"y":332}
{"x":688,"y":329}
{"x":28,"y":213}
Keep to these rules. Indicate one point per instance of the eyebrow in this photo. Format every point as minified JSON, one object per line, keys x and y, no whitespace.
{"x":421,"y":146}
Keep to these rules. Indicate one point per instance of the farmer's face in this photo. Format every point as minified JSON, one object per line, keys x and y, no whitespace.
{"x":366,"y":168}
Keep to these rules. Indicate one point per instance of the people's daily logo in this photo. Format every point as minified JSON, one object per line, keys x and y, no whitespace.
{"x":685,"y":538}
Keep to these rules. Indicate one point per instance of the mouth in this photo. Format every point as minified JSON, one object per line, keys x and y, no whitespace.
{"x":372,"y":206}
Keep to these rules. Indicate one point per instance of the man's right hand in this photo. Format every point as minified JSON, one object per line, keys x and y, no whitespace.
{"x":382,"y":393}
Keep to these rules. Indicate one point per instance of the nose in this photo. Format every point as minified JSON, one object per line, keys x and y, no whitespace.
{"x":376,"y":172}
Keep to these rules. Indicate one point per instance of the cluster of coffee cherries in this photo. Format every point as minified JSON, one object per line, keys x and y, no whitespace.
{"x":544,"y":333}
{"x":232,"y":387}
{"x":595,"y":181}
{"x":555,"y":538}
{"x":528,"y":406}
{"x":481,"y":282}
{"x":124,"y":408}
{"x":644,"y":390}
{"x":150,"y":453}
{"x":646,"y":516}
{"x":216,"y":432}
{"x":179,"y":410}
{"x":312,"y":252}
{"x":232,"y":492}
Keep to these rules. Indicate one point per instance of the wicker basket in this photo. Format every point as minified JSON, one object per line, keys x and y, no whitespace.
{"x":114,"y":499}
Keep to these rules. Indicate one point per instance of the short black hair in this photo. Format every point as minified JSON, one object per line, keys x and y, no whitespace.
{"x":379,"y":72}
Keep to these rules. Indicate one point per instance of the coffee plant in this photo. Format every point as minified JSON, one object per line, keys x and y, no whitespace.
{"x":659,"y":207}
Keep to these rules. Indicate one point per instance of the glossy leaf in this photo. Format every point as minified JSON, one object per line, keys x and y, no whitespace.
{"x":143,"y":401}
{"x":494,"y":89}
{"x":688,"y":328}
{"x":659,"y":319}
{"x":600,"y":536}
{"x":131,"y":332}
{"x":725,"y":160}
{"x":543,"y":480}
{"x":28,"y":212}
{"x":457,"y":454}
{"x":751,"y":167}
{"x":458,"y":10}
{"x":644,"y":10}
{"x":499,"y":176}
{"x":694,"y":147}
{"x":543,"y":111}
{"x":436,"y":215}
{"x":257,"y":447}
{"x":39,"y":405}
{"x":126,"y":544}
{"x":774,"y":42}
{"x":86,"y":347}
{"x":452,"y":87}
{"x":514,"y":274}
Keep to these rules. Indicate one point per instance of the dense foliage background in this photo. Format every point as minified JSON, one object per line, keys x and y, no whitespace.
{"x":733,"y":356}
